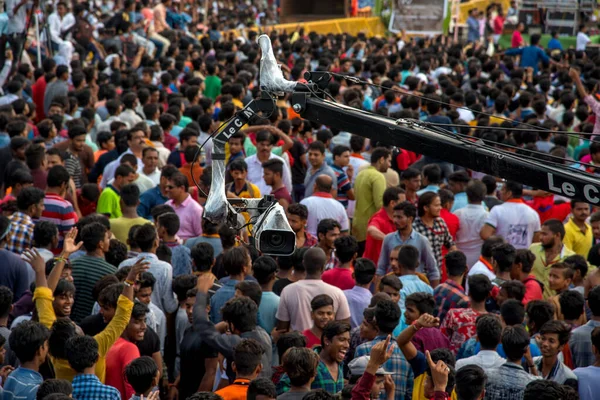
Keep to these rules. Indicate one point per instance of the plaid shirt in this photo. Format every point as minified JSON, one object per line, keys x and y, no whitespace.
{"x":89,"y":387}
{"x":438,"y":236}
{"x":20,"y":236}
{"x":449,"y":295}
{"x":310,"y":240}
{"x":403,"y":374}
{"x":581,"y":344}
{"x":323,"y":380}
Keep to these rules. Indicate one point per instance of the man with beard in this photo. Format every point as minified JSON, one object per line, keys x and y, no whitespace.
{"x":264,"y":146}
{"x":328,"y":231}
{"x":432,"y":226}
{"x":403,"y":215}
{"x":297,"y":214}
{"x":387,"y":317}
{"x":578,"y":232}
{"x":549,"y":251}
{"x":330,"y":374}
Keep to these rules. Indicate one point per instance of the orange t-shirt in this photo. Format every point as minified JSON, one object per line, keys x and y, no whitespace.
{"x":236,"y":391}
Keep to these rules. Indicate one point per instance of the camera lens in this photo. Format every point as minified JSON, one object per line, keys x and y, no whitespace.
{"x":276,"y":240}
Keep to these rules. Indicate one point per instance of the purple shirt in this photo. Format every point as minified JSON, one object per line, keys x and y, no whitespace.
{"x":358,"y":299}
{"x":190,"y":217}
{"x":430,"y":339}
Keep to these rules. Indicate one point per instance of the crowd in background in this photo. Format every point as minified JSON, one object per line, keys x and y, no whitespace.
{"x":412,"y":277}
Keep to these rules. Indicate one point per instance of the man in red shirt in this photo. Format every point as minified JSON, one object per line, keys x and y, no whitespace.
{"x":125,"y":350}
{"x":381,"y":223}
{"x":411,"y":178}
{"x":346,"y":250}
{"x":38,"y":89}
{"x":521,"y":270}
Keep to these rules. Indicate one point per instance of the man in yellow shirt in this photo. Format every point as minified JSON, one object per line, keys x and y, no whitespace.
{"x":129,"y":202}
{"x":369,"y":187}
{"x":549,"y":251}
{"x":44,"y":302}
{"x":578,"y":233}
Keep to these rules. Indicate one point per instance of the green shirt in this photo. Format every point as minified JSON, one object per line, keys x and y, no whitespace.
{"x":184,"y":121}
{"x":370,"y":183}
{"x":250,"y":148}
{"x":109,"y":202}
{"x":212,"y":87}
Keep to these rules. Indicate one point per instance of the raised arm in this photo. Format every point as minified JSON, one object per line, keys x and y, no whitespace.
{"x":404,"y":339}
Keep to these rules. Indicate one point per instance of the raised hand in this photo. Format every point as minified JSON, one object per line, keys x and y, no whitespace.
{"x":36,"y":261}
{"x":69,"y":246}
{"x":439,"y":373}
{"x":205,"y":282}
{"x":141,"y":265}
{"x":428,"y":321}
{"x":382,"y":352}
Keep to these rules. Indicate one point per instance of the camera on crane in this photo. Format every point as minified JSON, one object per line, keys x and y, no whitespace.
{"x":272,"y":233}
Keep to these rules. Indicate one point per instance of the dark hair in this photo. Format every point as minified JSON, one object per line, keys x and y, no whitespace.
{"x":130,"y":195}
{"x":555,"y":226}
{"x":364,"y":271}
{"x":514,"y":289}
{"x":57,"y":175}
{"x":54,"y":386}
{"x":541,"y":389}
{"x":489,"y":331}
{"x":391,"y":281}
{"x":274,"y":165}
{"x":577,"y":263}
{"x":181,"y":285}
{"x":387,"y":315}
{"x":346,"y":247}
{"x":124,"y":171}
{"x":512,"y":312}
{"x":476,"y":191}
{"x":408,"y":257}
{"x":504,"y":255}
{"x":261,"y":386}
{"x":594,"y":301}
{"x":558,"y":327}
{"x":169,"y":221}
{"x":424,"y":302}
{"x":526,"y":258}
{"x":26,"y":339}
{"x":566,"y":270}
{"x":300,"y":364}
{"x":251,"y":290}
{"x":235,"y":259}
{"x":479,"y":287}
{"x":290,"y":340}
{"x":379,"y":153}
{"x":320,"y":301}
{"x":489,"y":244}
{"x":145,"y":237}
{"x":298,"y":209}
{"x":515,"y":342}
{"x":408,"y":209}
{"x":241,"y":312}
{"x":92,"y":234}
{"x":391,"y":194}
{"x":247,"y":356}
{"x":425,"y":200}
{"x":433,"y":173}
{"x":44,"y":232}
{"x":238,"y":165}
{"x":6,"y":300}
{"x":140,"y":310}
{"x":62,"y":330}
{"x":203,"y":395}
{"x":318,"y":394}
{"x":333,"y":329}
{"x":264,"y":269}
{"x":515,"y":188}
{"x":28,"y":197}
{"x":456,"y":263}
{"x":571,"y":304}
{"x":81,"y":352}
{"x":203,"y":255}
{"x":140,"y":374}
{"x":109,"y":296}
{"x":326,"y":225}
{"x":539,"y":312}
{"x":470,"y":382}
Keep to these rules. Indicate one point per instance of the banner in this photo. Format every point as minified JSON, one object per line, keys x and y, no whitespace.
{"x":425,"y":17}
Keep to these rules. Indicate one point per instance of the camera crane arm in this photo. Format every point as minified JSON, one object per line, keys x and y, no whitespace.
{"x":407,"y":134}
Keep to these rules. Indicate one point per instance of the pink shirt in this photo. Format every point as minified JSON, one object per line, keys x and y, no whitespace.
{"x":517,"y":39}
{"x":595,"y":106}
{"x":190,"y":218}
{"x":160,"y":18}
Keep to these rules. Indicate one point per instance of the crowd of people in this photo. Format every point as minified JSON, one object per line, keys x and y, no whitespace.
{"x":412,"y":278}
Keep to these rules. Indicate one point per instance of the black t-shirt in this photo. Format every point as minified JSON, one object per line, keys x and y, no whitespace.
{"x":150,"y":344}
{"x":279,"y":285}
{"x":92,"y":324}
{"x":298,"y":169}
{"x":193,"y":351}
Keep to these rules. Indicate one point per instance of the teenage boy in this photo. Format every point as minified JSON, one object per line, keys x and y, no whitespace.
{"x":273,"y":176}
{"x":300,"y":365}
{"x":264,"y":269}
{"x":247,"y":365}
{"x":559,"y":279}
{"x":29,"y":341}
{"x":346,"y":251}
{"x":405,"y":261}
{"x":322,"y":313}
{"x":156,"y":320}
{"x":143,"y":375}
{"x":553,"y":337}
{"x":391,"y":286}
{"x":167,"y":226}
{"x":359,"y":296}
{"x":426,"y":339}
{"x":489,"y":333}
{"x":82,"y":354}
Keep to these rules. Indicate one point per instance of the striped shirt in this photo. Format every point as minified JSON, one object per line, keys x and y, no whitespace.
{"x":87,"y":270}
{"x":343,"y":184}
{"x":22,"y":384}
{"x":60,"y":212}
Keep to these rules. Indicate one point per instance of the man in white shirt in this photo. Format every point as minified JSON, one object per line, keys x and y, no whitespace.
{"x":294,"y":311}
{"x":322,"y":205}
{"x":472,"y":217}
{"x":150,"y":169}
{"x":59,"y":23}
{"x":484,"y":264}
{"x":264,"y":145}
{"x":489,"y":333}
{"x":514,"y":220}
{"x":582,"y":38}
{"x":458,"y":100}
{"x":129,"y":116}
